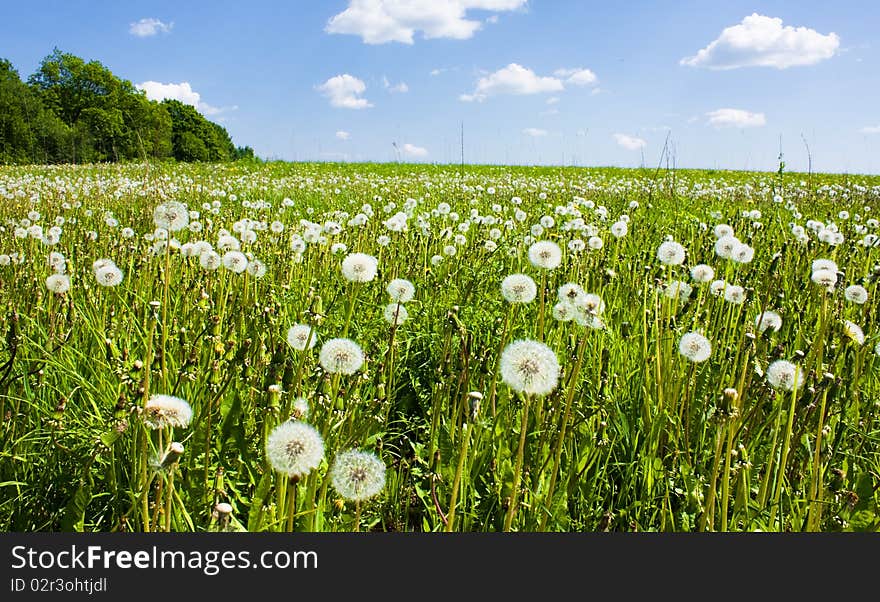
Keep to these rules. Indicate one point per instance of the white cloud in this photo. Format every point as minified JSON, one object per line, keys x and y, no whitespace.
{"x":735,"y":118}
{"x":761,"y":41}
{"x":414,"y":151}
{"x":534,"y":132}
{"x":513,"y":79}
{"x":871,"y":129}
{"x":577,"y":76}
{"x":630,"y":142}
{"x":344,"y":91}
{"x":552,"y":100}
{"x":182,"y":92}
{"x":149,"y":27}
{"x":549,"y":112}
{"x":383,"y":21}
{"x":401,"y":87}
{"x":343,"y":135}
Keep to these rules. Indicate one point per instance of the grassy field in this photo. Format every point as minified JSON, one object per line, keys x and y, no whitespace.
{"x":339,"y":347}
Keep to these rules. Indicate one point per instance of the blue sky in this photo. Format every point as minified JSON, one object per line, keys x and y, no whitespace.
{"x":533,"y":82}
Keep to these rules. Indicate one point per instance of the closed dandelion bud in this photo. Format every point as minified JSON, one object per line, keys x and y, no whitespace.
{"x":380,"y":391}
{"x":172,"y":455}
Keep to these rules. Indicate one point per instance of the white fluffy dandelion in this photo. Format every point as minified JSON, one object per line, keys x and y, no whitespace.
{"x":768,"y":320}
{"x":401,"y":290}
{"x":678,"y":289}
{"x":294,"y":448}
{"x":854,"y":332}
{"x":395,"y":314}
{"x":359,"y":267}
{"x":161,"y":411}
{"x":342,"y":356}
{"x":782,"y":374}
{"x":519,"y":288}
{"x":671,"y":253}
{"x":171,"y":216}
{"x":856,"y":293}
{"x":545,"y":254}
{"x":825,"y":278}
{"x":529,"y":367}
{"x":301,"y":337}
{"x":58,"y":283}
{"x":571,"y":293}
{"x":109,"y":275}
{"x":695,"y":347}
{"x":563,"y":311}
{"x":235,"y":261}
{"x":734,"y":293}
{"x":702,"y":273}
{"x":357,"y":475}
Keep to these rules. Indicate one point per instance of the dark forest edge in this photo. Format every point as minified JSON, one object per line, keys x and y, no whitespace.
{"x":74,"y":111}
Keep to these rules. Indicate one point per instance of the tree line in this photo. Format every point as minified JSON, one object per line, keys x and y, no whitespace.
{"x":73,"y":111}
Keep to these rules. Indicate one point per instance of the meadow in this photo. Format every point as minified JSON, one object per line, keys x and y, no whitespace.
{"x":359,"y":347}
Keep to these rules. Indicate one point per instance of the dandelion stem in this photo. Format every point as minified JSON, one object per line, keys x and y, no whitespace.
{"x":517,"y":470}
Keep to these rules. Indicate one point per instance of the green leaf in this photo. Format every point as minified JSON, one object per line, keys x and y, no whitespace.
{"x":255,"y":516}
{"x":75,"y":512}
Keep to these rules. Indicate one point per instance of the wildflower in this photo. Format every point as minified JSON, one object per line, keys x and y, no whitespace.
{"x":108,"y":275}
{"x":742,"y":253}
{"x":619,"y":229}
{"x":725,"y":246}
{"x":357,"y":475}
{"x":592,"y":304}
{"x":171,"y":216}
{"x":571,"y":293}
{"x":768,"y":320}
{"x":294,"y":448}
{"x":854,"y":332}
{"x":342,"y":356}
{"x":58,"y":283}
{"x":301,"y":336}
{"x":395,"y":314}
{"x":545,"y":254}
{"x":824,"y":264}
{"x":702,"y":273}
{"x":210,"y":260}
{"x":825,"y":278}
{"x":529,"y":367}
{"x":519,"y":288}
{"x":856,"y":293}
{"x":595,"y":243}
{"x":717,"y":287}
{"x":235,"y":261}
{"x":400,"y":290}
{"x":300,"y":408}
{"x":678,"y":289}
{"x":161,"y":411}
{"x":563,"y":311}
{"x":695,"y":347}
{"x":734,"y":293}
{"x":359,"y":267}
{"x":671,"y":253}
{"x":783,"y":374}
{"x":256,"y":268}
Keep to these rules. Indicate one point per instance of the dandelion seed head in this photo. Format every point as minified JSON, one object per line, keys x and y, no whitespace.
{"x":545,"y":254}
{"x":162,"y":411}
{"x":294,"y":448}
{"x":670,"y":253}
{"x":519,"y":288}
{"x":529,"y":367}
{"x":695,"y":347}
{"x":768,"y":320}
{"x":856,"y":293}
{"x":58,"y":283}
{"x":395,"y":314}
{"x":401,"y":290}
{"x":301,"y":337}
{"x":342,"y":356}
{"x":783,"y":374}
{"x":357,"y":475}
{"x":702,"y":273}
{"x":359,"y":267}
